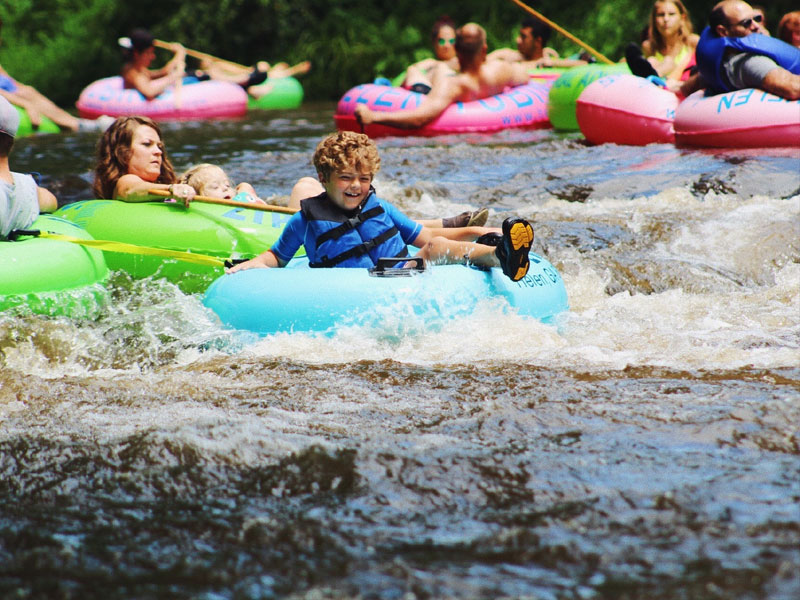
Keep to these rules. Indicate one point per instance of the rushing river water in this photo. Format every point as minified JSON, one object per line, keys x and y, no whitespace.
{"x":645,"y":446}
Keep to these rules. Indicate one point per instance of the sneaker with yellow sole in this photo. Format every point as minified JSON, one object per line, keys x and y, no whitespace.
{"x":513,"y":252}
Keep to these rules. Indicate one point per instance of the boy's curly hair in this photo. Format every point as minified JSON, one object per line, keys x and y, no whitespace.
{"x":346,"y":150}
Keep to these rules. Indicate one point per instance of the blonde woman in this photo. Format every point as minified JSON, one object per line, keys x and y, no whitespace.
{"x":670,"y":42}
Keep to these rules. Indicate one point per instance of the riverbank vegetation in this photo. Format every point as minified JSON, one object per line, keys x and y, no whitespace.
{"x":60,"y":46}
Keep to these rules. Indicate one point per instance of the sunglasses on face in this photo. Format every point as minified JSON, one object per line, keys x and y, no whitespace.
{"x":746,"y":23}
{"x":443,"y":41}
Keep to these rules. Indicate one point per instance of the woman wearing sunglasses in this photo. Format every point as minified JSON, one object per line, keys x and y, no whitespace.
{"x":443,"y":36}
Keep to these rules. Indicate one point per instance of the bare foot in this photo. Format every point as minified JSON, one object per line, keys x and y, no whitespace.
{"x":284,"y":70}
{"x":34,"y":115}
{"x":258,"y":91}
{"x":303,"y":67}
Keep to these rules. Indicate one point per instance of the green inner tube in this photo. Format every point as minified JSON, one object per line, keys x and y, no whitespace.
{"x":26,"y":128}
{"x":566,"y":89}
{"x":283,"y":92}
{"x":210,"y":229}
{"x":53,"y":277}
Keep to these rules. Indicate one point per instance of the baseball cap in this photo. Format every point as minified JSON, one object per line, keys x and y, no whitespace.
{"x":141,"y":39}
{"x":9,"y":118}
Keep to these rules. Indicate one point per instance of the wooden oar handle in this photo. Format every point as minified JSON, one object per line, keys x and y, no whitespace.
{"x":200,"y":55}
{"x":250,"y":205}
{"x":563,"y":31}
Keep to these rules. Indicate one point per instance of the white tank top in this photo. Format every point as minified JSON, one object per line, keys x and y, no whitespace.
{"x":19,"y":203}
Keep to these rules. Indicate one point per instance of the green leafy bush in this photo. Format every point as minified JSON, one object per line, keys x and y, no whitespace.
{"x":60,"y":46}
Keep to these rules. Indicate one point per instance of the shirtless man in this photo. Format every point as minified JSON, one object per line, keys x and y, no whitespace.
{"x":532,"y":48}
{"x":477,"y":79}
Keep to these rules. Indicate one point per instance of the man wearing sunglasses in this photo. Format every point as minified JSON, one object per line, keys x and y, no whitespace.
{"x":733,"y":55}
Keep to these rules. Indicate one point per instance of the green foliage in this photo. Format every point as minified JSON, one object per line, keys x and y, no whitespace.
{"x":60,"y":46}
{"x":57,"y":51}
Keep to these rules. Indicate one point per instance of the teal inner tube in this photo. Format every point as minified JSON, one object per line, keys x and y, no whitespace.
{"x":268,"y":301}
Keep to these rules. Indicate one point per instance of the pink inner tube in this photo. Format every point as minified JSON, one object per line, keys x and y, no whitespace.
{"x":748,"y":118}
{"x":522,"y":106}
{"x":625,"y":109}
{"x":199,"y":100}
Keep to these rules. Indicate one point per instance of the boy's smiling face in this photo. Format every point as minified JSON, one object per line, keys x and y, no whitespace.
{"x":347,"y":189}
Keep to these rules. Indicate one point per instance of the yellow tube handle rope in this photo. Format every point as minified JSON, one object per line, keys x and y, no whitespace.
{"x":110,"y":246}
{"x":563,"y":31}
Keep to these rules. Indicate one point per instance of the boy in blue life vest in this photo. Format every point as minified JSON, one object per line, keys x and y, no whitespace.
{"x":349,"y":226}
{"x":21,"y":199}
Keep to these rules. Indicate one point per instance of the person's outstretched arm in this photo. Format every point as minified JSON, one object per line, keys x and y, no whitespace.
{"x":132,"y":188}
{"x":440,"y":97}
{"x":47,"y":201}
{"x":150,"y":88}
{"x":265,"y":260}
{"x":782,"y":83}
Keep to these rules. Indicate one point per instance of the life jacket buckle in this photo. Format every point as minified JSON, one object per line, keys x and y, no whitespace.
{"x":18,"y":233}
{"x":386,"y":268}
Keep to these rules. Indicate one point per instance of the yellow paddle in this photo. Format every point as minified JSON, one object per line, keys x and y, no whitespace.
{"x":250,"y":205}
{"x":563,"y":32}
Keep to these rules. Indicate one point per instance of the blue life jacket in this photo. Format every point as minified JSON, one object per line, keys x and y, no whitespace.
{"x":711,"y":51}
{"x":355,"y":239}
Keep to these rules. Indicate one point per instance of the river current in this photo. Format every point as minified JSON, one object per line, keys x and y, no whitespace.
{"x":643,"y":446}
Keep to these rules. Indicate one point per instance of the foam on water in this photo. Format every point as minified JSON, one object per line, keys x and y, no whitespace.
{"x":752,"y":318}
{"x":752,"y":321}
{"x":749,"y":240}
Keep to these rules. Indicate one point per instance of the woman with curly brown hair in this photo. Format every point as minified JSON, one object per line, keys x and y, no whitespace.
{"x":131,"y":160}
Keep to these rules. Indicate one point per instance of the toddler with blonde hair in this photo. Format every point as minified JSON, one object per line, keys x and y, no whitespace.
{"x":210,"y":180}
